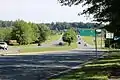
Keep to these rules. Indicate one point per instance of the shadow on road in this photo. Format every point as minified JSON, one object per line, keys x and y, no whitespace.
{"x":41,"y":67}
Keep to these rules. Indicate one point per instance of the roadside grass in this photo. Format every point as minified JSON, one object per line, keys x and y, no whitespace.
{"x":25,"y":46}
{"x":53,"y":48}
{"x":52,"y":38}
{"x":104,"y":68}
{"x":48,"y":41}
{"x":90,"y":40}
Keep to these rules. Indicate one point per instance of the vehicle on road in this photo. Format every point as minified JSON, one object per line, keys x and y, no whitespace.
{"x":61,"y":43}
{"x":79,"y":42}
{"x":85,"y":44}
{"x":3,"y":45}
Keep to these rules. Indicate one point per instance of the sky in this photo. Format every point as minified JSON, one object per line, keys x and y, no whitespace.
{"x":39,"y":11}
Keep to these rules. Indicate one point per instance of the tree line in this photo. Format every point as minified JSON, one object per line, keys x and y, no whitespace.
{"x":54,"y":25}
{"x":25,"y":32}
{"x":103,"y":11}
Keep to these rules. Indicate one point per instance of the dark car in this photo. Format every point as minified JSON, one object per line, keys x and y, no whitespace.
{"x":79,"y":42}
{"x":60,"y":43}
{"x":85,"y":44}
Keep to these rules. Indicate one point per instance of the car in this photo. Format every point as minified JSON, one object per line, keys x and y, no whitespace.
{"x":60,"y":43}
{"x":85,"y":44}
{"x":79,"y":42}
{"x":3,"y":45}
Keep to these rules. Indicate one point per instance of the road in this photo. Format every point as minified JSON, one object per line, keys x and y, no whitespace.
{"x":82,"y":45}
{"x":39,"y":67}
{"x":12,"y":49}
{"x":53,"y":43}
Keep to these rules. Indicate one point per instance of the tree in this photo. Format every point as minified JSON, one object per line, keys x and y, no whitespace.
{"x":43,"y":32}
{"x":5,"y":34}
{"x":69,"y":36}
{"x":34,"y":33}
{"x":102,"y":11}
{"x":22,"y":32}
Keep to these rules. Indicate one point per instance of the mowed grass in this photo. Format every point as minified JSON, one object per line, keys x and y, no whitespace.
{"x":90,"y":40}
{"x":53,"y":48}
{"x":104,"y":68}
{"x":48,"y":41}
{"x":24,"y":46}
{"x":52,"y":38}
{"x":36,"y":48}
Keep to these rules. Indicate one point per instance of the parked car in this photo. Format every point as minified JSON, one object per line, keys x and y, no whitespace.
{"x":3,"y":45}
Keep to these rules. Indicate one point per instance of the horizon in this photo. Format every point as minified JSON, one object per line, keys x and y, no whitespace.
{"x":38,"y":11}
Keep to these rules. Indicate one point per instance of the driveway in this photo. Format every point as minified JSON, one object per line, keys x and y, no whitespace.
{"x":39,"y":67}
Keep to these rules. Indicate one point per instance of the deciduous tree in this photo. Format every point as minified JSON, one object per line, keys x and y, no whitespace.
{"x":22,"y":32}
{"x":69,"y":36}
{"x":102,"y":11}
{"x":43,"y":32}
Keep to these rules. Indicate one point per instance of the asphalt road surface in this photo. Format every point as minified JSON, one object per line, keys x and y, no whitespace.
{"x":82,"y":44}
{"x":40,"y":67}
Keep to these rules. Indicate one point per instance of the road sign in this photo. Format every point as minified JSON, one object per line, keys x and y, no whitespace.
{"x":109,"y":35}
{"x":98,"y":30}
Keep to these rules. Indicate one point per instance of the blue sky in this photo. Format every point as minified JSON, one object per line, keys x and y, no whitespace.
{"x":39,"y":11}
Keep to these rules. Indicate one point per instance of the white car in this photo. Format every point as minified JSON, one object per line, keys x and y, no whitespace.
{"x":3,"y":45}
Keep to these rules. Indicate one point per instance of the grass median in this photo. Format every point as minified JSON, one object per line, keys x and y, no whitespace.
{"x":48,"y":41}
{"x":53,"y":48}
{"x":52,"y":38}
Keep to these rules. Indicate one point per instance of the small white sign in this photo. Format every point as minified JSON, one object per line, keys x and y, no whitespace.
{"x":98,"y":30}
{"x":109,"y":35}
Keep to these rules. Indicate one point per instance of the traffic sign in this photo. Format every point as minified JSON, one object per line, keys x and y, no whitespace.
{"x":98,"y":30}
{"x":110,"y":35}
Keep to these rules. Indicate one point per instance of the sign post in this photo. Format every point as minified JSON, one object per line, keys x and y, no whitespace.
{"x":96,"y":31}
{"x":99,"y":31}
{"x":96,"y":42}
{"x":109,"y":36}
